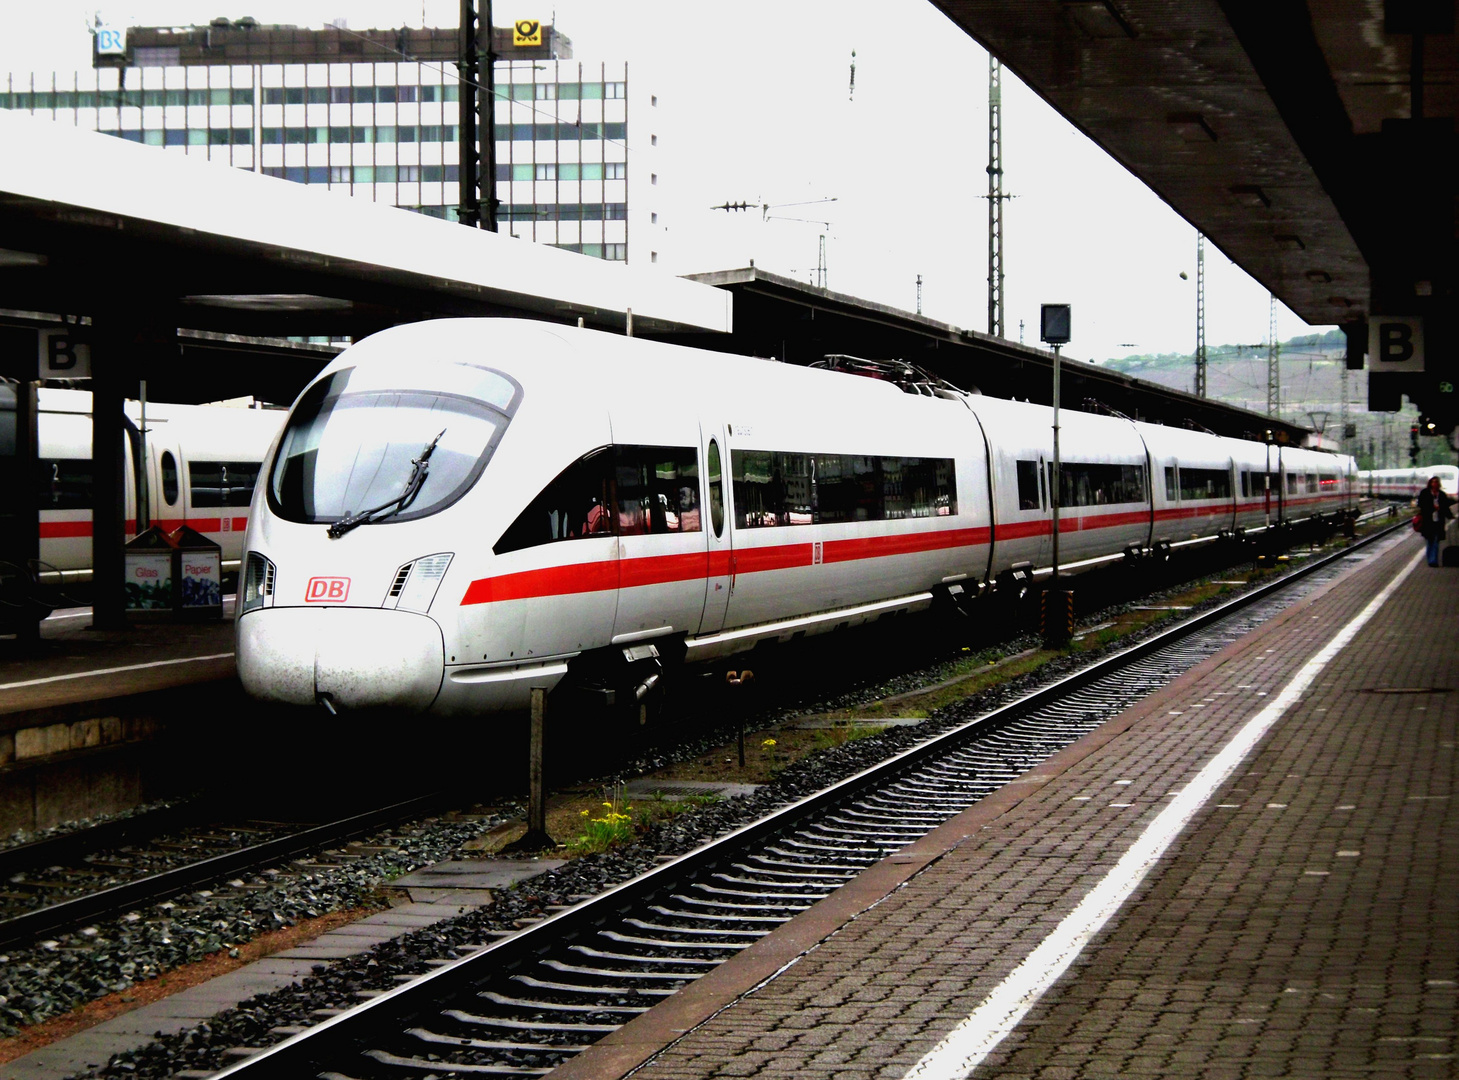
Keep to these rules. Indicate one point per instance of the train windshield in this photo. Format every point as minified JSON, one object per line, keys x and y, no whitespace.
{"x":351,"y":442}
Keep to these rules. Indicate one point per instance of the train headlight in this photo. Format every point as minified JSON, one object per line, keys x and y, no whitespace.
{"x":416,"y":582}
{"x":257,"y":588}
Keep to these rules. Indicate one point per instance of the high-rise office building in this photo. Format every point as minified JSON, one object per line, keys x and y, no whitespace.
{"x":375,"y":113}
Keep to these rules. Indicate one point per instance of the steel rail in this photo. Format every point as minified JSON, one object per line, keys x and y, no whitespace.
{"x":63,"y":847}
{"x":70,"y":913}
{"x":321,"y":1049}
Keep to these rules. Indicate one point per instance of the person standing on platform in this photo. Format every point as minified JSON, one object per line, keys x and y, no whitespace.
{"x":1434,"y":511}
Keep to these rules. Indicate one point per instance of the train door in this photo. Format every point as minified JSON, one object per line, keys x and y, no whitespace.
{"x":164,"y":479}
{"x":719,"y":581}
{"x":656,"y":496}
{"x":1044,"y":552}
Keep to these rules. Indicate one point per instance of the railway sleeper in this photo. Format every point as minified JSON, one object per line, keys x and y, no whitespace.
{"x":558,"y":1006}
{"x":664,"y":943}
{"x":883,"y":815}
{"x":462,"y":1017}
{"x":696,"y":931}
{"x":396,"y":1061}
{"x":436,"y":1038}
{"x":580,"y":988}
{"x":631,"y":958}
{"x":726,"y":906}
{"x":764,"y":884}
{"x":848,"y":850}
{"x":614,"y":973}
{"x":709,"y":916}
{"x":798,"y":869}
{"x":777,"y":897}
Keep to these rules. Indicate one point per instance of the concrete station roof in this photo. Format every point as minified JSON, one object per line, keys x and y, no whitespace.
{"x":234,"y":263}
{"x":90,"y":222}
{"x":780,"y":317}
{"x":1313,"y":143}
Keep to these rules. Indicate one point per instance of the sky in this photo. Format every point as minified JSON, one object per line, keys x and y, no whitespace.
{"x":756,"y":105}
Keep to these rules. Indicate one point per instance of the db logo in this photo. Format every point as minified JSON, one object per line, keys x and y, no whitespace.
{"x":327,"y":590}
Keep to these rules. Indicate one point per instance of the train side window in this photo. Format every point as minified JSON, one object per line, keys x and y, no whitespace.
{"x":1100,"y":483}
{"x":1312,"y":483}
{"x":1292,"y":479}
{"x":716,"y":488}
{"x":848,"y":487}
{"x":914,"y":487}
{"x":65,"y":484}
{"x":574,"y":506}
{"x":169,"y":478}
{"x":771,"y":488}
{"x":774,"y":487}
{"x":1170,"y":485}
{"x":657,"y":489}
{"x":1205,"y":483}
{"x":1028,"y":484}
{"x":220,"y":483}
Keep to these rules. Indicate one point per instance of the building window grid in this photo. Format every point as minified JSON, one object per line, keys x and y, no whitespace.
{"x":226,"y":89}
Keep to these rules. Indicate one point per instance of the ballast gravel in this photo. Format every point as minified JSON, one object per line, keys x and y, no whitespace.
{"x":57,"y":976}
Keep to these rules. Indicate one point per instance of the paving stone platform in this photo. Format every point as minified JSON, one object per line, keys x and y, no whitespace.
{"x":1305,"y":923}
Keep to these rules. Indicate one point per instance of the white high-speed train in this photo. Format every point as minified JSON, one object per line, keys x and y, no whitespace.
{"x":1407,"y":483}
{"x":459,"y":511}
{"x":197,"y":467}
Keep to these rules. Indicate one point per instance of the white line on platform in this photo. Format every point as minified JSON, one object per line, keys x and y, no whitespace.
{"x":990,"y":1023}
{"x":112,"y":670}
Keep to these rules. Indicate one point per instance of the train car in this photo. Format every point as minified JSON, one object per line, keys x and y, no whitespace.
{"x":1405,"y":484}
{"x":459,"y":511}
{"x":196,"y":466}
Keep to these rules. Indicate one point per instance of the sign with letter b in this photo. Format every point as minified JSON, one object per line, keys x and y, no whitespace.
{"x":1395,"y":343}
{"x":62,"y":356}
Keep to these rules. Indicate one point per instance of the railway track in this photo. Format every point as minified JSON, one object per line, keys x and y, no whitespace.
{"x":522,"y":1005}
{"x":59,"y":883}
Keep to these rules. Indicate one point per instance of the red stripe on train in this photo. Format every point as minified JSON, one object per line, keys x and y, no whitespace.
{"x":664,"y":569}
{"x":65,"y":530}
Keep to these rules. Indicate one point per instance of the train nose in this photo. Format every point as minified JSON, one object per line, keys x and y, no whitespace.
{"x":359,"y":657}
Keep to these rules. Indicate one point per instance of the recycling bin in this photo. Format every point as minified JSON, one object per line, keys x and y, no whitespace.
{"x":148,"y":559}
{"x":198,"y":571}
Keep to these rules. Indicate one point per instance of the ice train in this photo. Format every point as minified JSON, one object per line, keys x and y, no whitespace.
{"x":195,"y":466}
{"x":461,"y":510}
{"x":1407,"y":483}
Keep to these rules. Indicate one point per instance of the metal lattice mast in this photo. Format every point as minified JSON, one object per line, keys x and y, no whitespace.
{"x":1273,"y":361}
{"x":995,"y":198}
{"x":1200,"y":315}
{"x":1342,"y":432}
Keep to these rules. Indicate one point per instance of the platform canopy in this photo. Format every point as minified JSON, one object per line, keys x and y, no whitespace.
{"x":89,"y":221}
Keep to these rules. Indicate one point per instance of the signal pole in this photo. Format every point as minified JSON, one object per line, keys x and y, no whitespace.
{"x":1200,"y":314}
{"x":476,"y":124}
{"x":1273,"y":361}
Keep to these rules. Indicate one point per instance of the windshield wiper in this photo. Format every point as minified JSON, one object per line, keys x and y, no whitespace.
{"x":420,"y":467}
